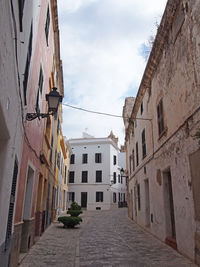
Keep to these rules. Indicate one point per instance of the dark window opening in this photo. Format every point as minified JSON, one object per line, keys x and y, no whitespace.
{"x":71,"y":177}
{"x":47,"y":25}
{"x":99,"y":196}
{"x":72,"y":159}
{"x":133,"y":160}
{"x":114,"y":197}
{"x":118,"y":178}
{"x":97,"y":157}
{"x":143,"y":144}
{"x":85,"y":158}
{"x":98,"y":176}
{"x":114,"y":160}
{"x":138,"y":195}
{"x":12,"y":203}
{"x":51,"y":151}
{"x":141,"y":108}
{"x":114,"y":177}
{"x":72,"y":196}
{"x":21,"y":8}
{"x":39,"y":92}
{"x":160,"y":117}
{"x":28,"y":61}
{"x":65,"y":177}
{"x":84,"y":176}
{"x":137,"y":154}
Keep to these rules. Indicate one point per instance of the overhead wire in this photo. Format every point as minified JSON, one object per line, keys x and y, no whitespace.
{"x":102,"y":113}
{"x":95,"y":112}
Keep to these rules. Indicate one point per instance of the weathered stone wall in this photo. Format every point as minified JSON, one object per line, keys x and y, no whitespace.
{"x":173,"y":75}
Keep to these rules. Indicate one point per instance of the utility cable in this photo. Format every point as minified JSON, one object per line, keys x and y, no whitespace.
{"x":95,"y":112}
{"x":103,"y":113}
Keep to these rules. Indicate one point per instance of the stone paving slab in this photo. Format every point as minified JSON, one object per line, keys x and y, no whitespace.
{"x":104,"y":239}
{"x":112,"y":239}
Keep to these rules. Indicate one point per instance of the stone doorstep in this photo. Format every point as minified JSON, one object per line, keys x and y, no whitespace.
{"x":171,"y":242}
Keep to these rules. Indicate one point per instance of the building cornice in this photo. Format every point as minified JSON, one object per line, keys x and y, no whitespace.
{"x":155,"y":55}
{"x":92,"y":141}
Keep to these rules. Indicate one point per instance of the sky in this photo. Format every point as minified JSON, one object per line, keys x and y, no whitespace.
{"x":103,"y":44}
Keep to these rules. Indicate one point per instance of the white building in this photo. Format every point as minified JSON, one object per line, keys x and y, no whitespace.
{"x":94,"y":175}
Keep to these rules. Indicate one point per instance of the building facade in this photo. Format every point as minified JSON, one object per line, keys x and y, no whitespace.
{"x":40,"y":71}
{"x":94,"y":176}
{"x":11,"y":120}
{"x":65,"y":188}
{"x":162,"y":134}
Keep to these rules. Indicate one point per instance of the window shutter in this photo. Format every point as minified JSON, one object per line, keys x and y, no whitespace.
{"x":12,"y":203}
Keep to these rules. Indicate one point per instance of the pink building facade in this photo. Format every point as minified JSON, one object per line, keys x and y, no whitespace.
{"x":36,"y":84}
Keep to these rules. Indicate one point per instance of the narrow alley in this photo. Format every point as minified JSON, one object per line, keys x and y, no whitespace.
{"x":104,"y":238}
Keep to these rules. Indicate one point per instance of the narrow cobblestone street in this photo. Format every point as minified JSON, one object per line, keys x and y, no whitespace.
{"x":105,"y":238}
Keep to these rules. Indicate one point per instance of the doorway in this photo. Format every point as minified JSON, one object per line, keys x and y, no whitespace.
{"x":169,"y":209}
{"x":83,"y":199}
{"x":147,"y":203}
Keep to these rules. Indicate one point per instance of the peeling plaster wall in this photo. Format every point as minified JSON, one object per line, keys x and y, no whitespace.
{"x":176,"y":80}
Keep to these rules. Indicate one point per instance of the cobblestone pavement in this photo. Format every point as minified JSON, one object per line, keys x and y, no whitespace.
{"x":104,"y":239}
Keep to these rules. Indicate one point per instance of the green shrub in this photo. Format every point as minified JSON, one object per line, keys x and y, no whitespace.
{"x":75,"y":206}
{"x":74,"y":213}
{"x":69,"y":221}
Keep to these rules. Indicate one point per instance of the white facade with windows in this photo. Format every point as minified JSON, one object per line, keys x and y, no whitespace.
{"x":94,"y":173}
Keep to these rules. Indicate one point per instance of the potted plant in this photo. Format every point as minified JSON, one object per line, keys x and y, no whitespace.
{"x":73,"y":220}
{"x":69,"y":221}
{"x":75,"y":210}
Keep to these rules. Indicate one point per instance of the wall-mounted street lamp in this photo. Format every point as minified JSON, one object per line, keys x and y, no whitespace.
{"x":53,"y":99}
{"x":122,"y":172}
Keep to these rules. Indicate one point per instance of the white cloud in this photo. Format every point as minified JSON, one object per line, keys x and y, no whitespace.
{"x":100,"y":41}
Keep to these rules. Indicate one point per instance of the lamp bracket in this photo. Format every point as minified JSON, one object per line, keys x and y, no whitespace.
{"x":33,"y":116}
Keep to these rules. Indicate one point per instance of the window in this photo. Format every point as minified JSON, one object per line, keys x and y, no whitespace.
{"x":114,"y":160}
{"x":47,"y":25}
{"x":58,"y":126}
{"x":137,"y":155}
{"x":28,"y":61}
{"x":130,"y":169}
{"x":71,"y":177}
{"x":58,"y":160}
{"x":84,"y":176}
{"x":160,"y":116}
{"x":84,"y":158}
{"x":119,"y":198}
{"x":51,"y":151}
{"x":39,"y":92}
{"x":141,"y":108}
{"x":114,"y":197}
{"x":121,"y":180}
{"x":114,"y":177}
{"x":12,"y":203}
{"x":55,"y":160}
{"x":97,"y":157}
{"x":65,"y":177}
{"x":98,"y":176}
{"x":21,"y":8}
{"x":72,"y":196}
{"x":133,"y":159}
{"x":99,"y":196}
{"x":143,"y":144}
{"x":138,"y":196}
{"x":118,"y":178}
{"x":72,"y":159}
